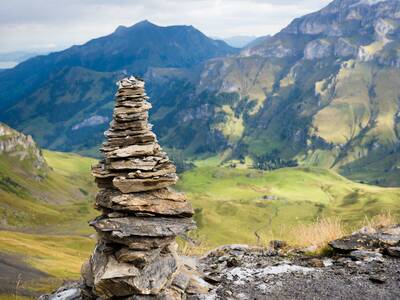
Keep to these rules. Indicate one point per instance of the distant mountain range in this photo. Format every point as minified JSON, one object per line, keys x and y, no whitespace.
{"x":239,"y":41}
{"x":11,"y":59}
{"x":324,"y":91}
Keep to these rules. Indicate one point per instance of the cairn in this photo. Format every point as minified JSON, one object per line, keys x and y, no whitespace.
{"x":141,"y":216}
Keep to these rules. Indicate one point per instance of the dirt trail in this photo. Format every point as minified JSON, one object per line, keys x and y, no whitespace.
{"x":14,"y":272}
{"x":267,"y":225}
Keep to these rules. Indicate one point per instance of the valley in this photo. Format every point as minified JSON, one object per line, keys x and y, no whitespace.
{"x":232,"y":205}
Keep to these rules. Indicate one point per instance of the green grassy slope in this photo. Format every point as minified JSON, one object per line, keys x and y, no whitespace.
{"x":61,"y":199}
{"x":234,"y":205}
{"x":49,"y":217}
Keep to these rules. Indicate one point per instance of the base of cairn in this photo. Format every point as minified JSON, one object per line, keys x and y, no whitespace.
{"x":185,"y":284}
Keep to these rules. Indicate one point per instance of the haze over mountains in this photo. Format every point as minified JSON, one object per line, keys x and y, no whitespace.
{"x":323,"y":91}
{"x":239,"y":41}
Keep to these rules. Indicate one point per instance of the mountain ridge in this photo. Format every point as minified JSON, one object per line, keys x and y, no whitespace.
{"x":153,"y":46}
{"x":321,"y":92}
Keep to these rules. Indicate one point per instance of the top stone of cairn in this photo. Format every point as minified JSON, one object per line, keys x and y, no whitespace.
{"x":133,"y":159}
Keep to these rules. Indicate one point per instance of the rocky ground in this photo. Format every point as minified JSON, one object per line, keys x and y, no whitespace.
{"x":364,"y":265}
{"x":243,"y":273}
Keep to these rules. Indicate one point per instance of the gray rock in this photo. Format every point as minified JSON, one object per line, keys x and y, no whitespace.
{"x":134,"y":151}
{"x":130,"y":185}
{"x":318,"y":49}
{"x":70,"y":291}
{"x":137,"y":242}
{"x":372,"y":240}
{"x":160,"y":202}
{"x":393,"y":251}
{"x":363,"y":255}
{"x":145,"y":227}
{"x":120,"y":279}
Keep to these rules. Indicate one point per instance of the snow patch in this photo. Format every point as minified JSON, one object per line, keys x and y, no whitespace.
{"x":368,"y":2}
{"x":92,"y":121}
{"x":243,"y":276}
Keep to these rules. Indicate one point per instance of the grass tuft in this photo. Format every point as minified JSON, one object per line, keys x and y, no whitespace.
{"x":318,"y":233}
{"x":383,"y":219}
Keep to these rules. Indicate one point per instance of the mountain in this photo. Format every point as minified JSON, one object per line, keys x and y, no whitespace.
{"x":129,"y":50}
{"x":68,"y":94}
{"x":239,"y":41}
{"x":322,"y":92}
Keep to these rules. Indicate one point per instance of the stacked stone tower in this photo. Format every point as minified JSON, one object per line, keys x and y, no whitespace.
{"x":141,"y":216}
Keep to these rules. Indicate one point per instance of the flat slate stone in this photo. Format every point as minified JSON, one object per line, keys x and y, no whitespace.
{"x":137,"y":242}
{"x":139,"y":258}
{"x":160,"y":202}
{"x":134,"y":108}
{"x":127,"y":132}
{"x":100,"y":171}
{"x":129,"y":185}
{"x":139,"y":226}
{"x":143,"y":164}
{"x":131,"y":117}
{"x":368,"y":240}
{"x":138,"y":103}
{"x":165,"y":170}
{"x":131,"y":140}
{"x":137,"y":125}
{"x":134,"y":151}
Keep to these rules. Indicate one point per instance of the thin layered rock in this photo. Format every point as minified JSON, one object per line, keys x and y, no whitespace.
{"x":141,"y":214}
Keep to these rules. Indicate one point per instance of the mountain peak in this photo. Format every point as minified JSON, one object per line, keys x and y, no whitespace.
{"x":145,"y":23}
{"x":142,"y":24}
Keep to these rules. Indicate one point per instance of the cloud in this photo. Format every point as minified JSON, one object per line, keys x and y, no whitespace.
{"x":30,"y":25}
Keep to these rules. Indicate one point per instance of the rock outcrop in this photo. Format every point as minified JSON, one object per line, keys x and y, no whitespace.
{"x":141,"y":215}
{"x":23,"y":148}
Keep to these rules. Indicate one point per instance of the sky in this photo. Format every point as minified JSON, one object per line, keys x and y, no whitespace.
{"x":49,"y":25}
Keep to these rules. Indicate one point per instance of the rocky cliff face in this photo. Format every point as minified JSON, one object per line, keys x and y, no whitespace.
{"x":23,"y":149}
{"x":323,"y":90}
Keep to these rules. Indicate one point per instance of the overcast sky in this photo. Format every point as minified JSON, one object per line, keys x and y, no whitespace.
{"x":45,"y":25}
